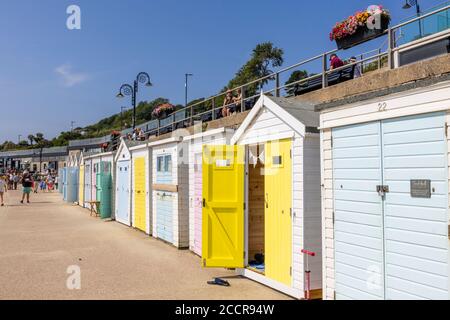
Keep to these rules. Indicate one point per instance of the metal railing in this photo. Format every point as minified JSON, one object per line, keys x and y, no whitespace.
{"x":211,"y":108}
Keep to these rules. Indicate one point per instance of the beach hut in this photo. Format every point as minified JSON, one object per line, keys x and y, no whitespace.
{"x":141,"y":188}
{"x":195,"y":143}
{"x":101,"y":178}
{"x":123,"y":184}
{"x":72,"y":179}
{"x":170,"y":185}
{"x":261,"y":198}
{"x":385,"y":199}
{"x":60,"y":180}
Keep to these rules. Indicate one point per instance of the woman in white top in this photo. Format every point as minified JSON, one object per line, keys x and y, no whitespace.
{"x":3,"y":189}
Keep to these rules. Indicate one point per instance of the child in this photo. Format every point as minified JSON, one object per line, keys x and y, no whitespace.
{"x":3,"y":189}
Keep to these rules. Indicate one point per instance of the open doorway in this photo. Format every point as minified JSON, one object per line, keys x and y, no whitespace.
{"x":256,"y":207}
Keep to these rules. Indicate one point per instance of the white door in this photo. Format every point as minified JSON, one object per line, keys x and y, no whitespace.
{"x":391,"y":244}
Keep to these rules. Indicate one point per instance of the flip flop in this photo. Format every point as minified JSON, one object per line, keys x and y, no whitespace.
{"x":219,"y":282}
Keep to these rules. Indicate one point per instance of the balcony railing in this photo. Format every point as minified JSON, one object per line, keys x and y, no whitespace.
{"x":210,"y":108}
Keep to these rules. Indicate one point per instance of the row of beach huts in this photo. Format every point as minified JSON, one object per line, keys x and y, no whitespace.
{"x":361,"y":184}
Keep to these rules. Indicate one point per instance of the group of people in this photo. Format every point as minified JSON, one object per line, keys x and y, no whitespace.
{"x":231,"y":103}
{"x":137,"y":135}
{"x":336,"y":62}
{"x":46,"y":182}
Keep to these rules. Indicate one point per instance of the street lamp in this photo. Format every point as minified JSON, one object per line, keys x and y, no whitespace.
{"x":411,"y":3}
{"x":20,"y":137}
{"x":128,"y":90}
{"x":187,"y":75}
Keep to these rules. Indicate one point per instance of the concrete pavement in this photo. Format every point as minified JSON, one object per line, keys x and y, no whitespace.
{"x":39,"y":241}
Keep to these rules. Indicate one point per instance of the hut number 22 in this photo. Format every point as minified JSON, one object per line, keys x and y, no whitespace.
{"x":382,"y":106}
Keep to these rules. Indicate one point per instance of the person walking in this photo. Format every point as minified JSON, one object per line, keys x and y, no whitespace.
{"x":27,"y":183}
{"x":3,"y":189}
{"x":16,"y":179}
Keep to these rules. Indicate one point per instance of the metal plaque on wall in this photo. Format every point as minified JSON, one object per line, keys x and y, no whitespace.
{"x":421,"y":188}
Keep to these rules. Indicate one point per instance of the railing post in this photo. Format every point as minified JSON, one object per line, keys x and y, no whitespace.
{"x":242,"y":98}
{"x":324,"y":71}
{"x":213,"y":104}
{"x":159,"y":126}
{"x":277,"y":83}
{"x":390,"y":44}
{"x":379,"y":59}
{"x":191,"y":110}
{"x":173,"y":122}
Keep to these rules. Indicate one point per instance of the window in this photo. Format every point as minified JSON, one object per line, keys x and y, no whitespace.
{"x":168,"y":163}
{"x":164,"y":163}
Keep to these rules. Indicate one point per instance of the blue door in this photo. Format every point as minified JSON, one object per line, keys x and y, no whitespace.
{"x":64,"y":183}
{"x":391,"y":209}
{"x":164,"y":216}
{"x":72,"y":185}
{"x":123,"y":192}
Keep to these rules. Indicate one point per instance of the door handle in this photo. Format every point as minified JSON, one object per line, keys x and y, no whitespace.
{"x":382,"y":190}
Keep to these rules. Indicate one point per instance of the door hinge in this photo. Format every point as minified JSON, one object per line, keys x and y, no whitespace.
{"x":204,"y":262}
{"x":244,"y":255}
{"x":290,"y":271}
{"x":244,"y":206}
{"x":446,"y":130}
{"x":334,"y":294}
{"x":204,"y":202}
{"x":290,"y":153}
{"x":291,"y":212}
{"x":331,"y":141}
{"x":333,"y":217}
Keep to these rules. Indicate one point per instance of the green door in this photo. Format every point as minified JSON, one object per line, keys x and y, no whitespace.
{"x":104,"y":189}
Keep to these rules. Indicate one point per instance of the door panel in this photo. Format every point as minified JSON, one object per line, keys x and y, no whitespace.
{"x":81,"y":187}
{"x":140,"y":194}
{"x":223,"y":210}
{"x":278,"y":219}
{"x":123,"y":192}
{"x":87,"y":183}
{"x":416,"y":148}
{"x":413,"y":250}
{"x":358,"y":212}
{"x":164,"y":216}
{"x":198,"y":204}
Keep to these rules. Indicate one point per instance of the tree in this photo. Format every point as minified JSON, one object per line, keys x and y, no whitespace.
{"x":264,"y":56}
{"x":39,"y":137}
{"x":23,"y":144}
{"x":294,"y":77}
{"x":31,"y":139}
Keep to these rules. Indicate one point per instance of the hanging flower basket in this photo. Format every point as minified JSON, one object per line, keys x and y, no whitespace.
{"x":361,"y":27}
{"x":163,"y":111}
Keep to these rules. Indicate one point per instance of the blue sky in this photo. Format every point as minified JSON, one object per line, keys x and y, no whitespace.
{"x":51,"y":76}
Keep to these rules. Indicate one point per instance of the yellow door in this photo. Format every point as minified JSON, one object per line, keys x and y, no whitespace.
{"x":81,"y":187}
{"x":278,"y":216}
{"x":139,"y":194}
{"x":223,"y":206}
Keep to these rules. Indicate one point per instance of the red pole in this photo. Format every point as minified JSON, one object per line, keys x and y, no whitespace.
{"x":308,"y":273}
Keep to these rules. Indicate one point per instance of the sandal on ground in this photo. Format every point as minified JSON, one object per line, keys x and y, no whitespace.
{"x":219,"y":282}
{"x":21,"y":201}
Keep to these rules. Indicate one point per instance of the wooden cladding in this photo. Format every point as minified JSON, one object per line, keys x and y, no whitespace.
{"x":165,"y":187}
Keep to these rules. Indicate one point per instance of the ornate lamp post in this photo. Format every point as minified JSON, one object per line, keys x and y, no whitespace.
{"x":128,"y":90}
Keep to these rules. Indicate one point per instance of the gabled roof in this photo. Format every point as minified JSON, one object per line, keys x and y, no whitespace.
{"x":298,"y":115}
{"x":302,"y":111}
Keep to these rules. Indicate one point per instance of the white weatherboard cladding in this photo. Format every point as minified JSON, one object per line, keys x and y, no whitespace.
{"x":195,"y":160}
{"x":267,"y":126}
{"x":139,"y":153}
{"x":180,"y":200}
{"x":123,"y":159}
{"x":394,"y":247}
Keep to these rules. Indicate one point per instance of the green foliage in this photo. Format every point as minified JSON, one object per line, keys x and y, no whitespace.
{"x":264,"y":56}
